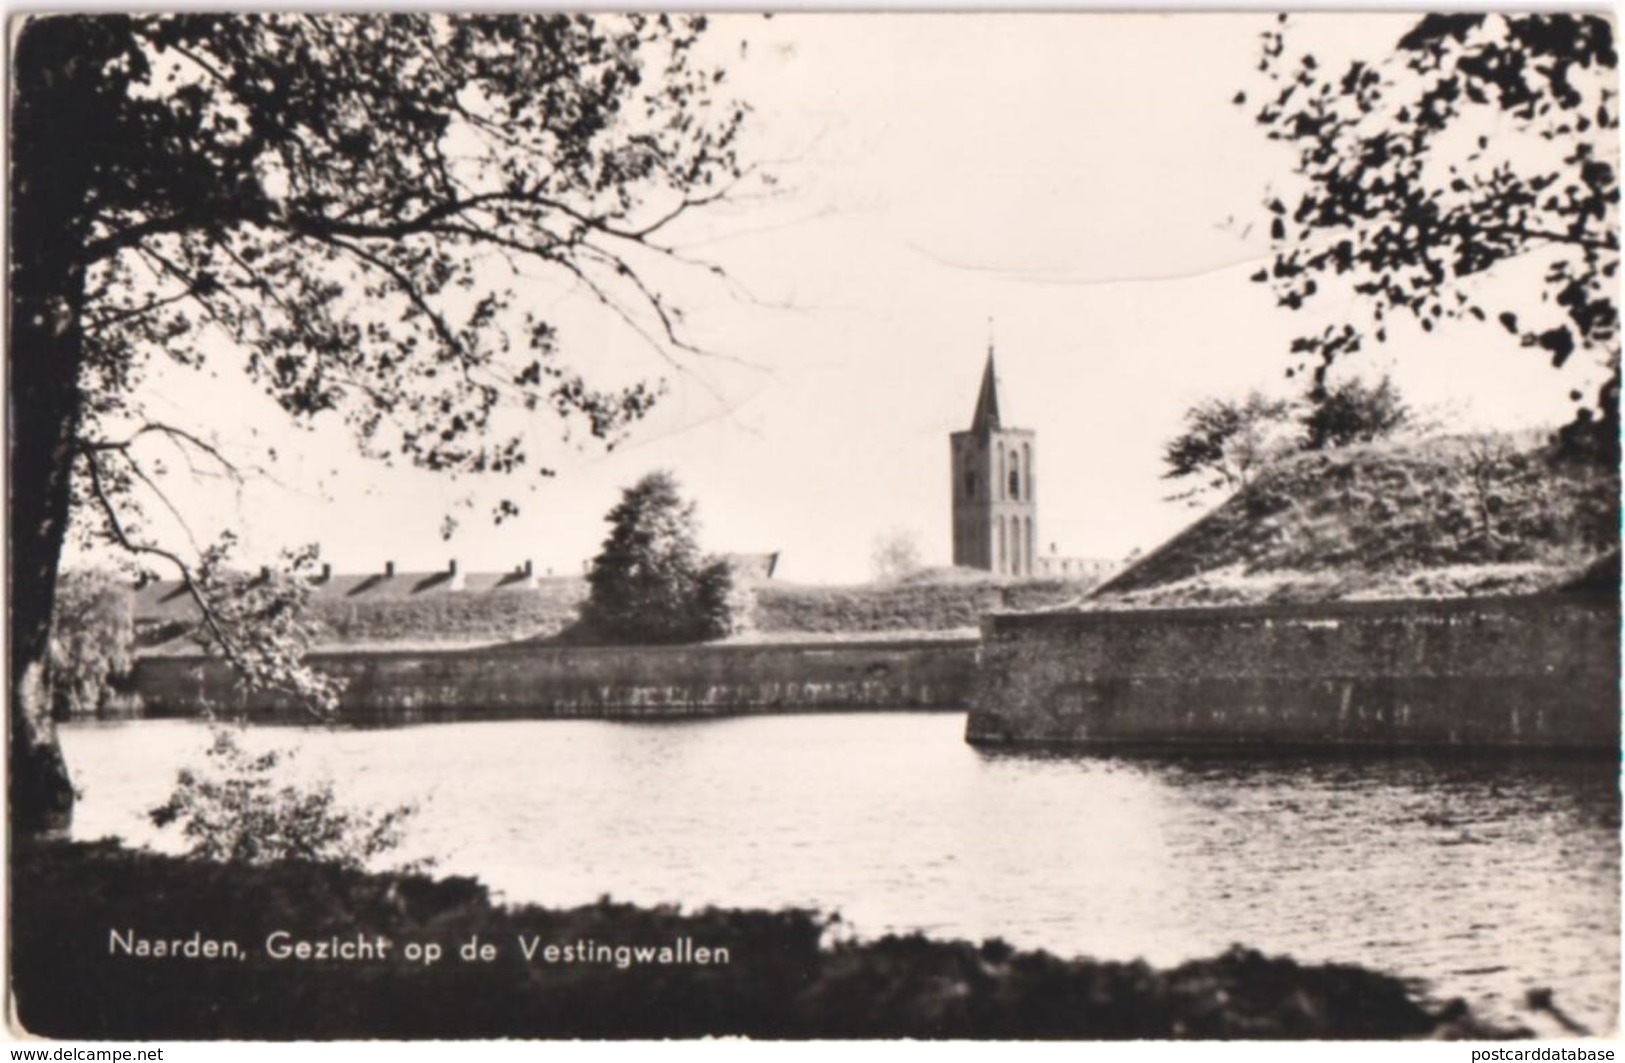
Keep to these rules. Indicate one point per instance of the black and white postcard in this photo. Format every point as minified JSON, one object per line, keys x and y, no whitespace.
{"x":1049,"y":526}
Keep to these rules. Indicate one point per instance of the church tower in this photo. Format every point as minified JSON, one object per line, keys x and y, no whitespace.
{"x":995,"y":512}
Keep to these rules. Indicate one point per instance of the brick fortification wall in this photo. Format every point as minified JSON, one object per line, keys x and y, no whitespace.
{"x":558,"y":682}
{"x":1533,"y":673}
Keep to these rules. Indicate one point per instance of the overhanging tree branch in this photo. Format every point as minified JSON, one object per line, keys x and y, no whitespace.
{"x":1400,"y":200}
{"x":587,"y":130}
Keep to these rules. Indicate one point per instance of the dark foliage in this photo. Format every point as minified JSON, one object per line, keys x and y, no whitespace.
{"x":780,"y":982}
{"x":339,"y":195}
{"x":240,"y":809}
{"x":1480,"y":140}
{"x":1353,"y":411}
{"x":650,"y":583}
{"x":261,"y":625}
{"x":1226,"y":442}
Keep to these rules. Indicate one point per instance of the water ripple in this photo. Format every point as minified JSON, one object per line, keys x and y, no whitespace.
{"x":1484,"y":877}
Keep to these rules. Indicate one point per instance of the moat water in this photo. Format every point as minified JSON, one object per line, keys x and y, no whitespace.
{"x":1484,"y":877}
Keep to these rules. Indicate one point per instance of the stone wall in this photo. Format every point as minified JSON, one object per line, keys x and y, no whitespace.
{"x":557,"y":682}
{"x":1529,"y":673}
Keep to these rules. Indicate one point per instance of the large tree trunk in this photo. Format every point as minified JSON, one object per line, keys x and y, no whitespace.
{"x":44,"y":413}
{"x":53,"y":97}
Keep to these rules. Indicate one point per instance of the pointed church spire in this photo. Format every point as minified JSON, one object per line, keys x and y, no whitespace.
{"x":987,"y":403}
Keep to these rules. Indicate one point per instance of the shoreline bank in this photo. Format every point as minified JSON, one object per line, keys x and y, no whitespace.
{"x":783,"y":977}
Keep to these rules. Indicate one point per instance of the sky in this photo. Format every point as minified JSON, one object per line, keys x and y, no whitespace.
{"x":1076,"y":189}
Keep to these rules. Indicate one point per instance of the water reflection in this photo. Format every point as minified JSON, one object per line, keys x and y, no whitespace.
{"x":1485,"y":876}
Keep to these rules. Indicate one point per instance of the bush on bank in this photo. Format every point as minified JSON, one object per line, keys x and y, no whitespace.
{"x":782,"y":979}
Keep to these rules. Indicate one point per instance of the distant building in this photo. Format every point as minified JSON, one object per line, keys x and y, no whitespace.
{"x":162,"y":601}
{"x":1053,"y":564}
{"x":995,"y":508}
{"x":166,"y":600}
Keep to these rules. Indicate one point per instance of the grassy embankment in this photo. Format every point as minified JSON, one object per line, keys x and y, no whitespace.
{"x":934,"y":601}
{"x":436,"y":618}
{"x":455,"y":618}
{"x":784,"y":978}
{"x":937,"y":601}
{"x":1442,"y":517}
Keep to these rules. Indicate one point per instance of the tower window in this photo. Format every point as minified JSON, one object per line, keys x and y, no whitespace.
{"x":970,"y":483}
{"x":1015,"y":476}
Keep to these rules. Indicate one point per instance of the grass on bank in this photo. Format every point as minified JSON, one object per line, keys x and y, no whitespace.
{"x":1442,"y":517}
{"x":474,"y":617}
{"x":940,"y":600}
{"x":785,"y":978}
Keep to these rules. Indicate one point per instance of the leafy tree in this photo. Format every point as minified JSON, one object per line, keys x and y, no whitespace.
{"x":896,"y":555}
{"x":650,"y":584}
{"x":1353,"y":411}
{"x":236,"y":810}
{"x":346,"y":205}
{"x":1480,"y":140}
{"x":261,"y":623}
{"x":92,"y":635}
{"x":1225,"y":442}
